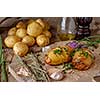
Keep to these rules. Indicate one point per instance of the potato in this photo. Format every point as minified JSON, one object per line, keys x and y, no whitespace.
{"x":82,"y":59}
{"x":34,"y":29}
{"x":21,"y":32}
{"x":57,"y":56}
{"x":12,"y":31}
{"x":47,"y":26}
{"x":47,"y":33}
{"x":42,"y":40}
{"x":40,"y":21}
{"x":44,"y":24}
{"x":29,"y":21}
{"x":11,"y":40}
{"x":28,"y":40}
{"x":20,"y":25}
{"x":20,"y":49}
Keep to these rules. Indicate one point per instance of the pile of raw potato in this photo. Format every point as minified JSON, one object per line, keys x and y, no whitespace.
{"x":24,"y":35}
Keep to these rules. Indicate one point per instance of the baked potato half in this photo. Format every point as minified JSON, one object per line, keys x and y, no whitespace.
{"x":57,"y":56}
{"x":82,"y":59}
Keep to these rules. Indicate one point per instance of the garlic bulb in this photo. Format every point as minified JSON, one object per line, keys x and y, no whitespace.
{"x":24,"y":71}
{"x":55,"y":74}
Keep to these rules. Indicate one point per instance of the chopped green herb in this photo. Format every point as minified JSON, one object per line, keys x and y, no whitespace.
{"x":85,"y":54}
{"x":72,"y":53}
{"x":66,"y":49}
{"x":67,"y":66}
{"x":92,"y":56}
{"x":57,"y":51}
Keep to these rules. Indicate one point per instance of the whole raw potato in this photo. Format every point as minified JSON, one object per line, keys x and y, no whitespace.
{"x":40,"y":21}
{"x":29,"y":40}
{"x":29,"y":21}
{"x":34,"y":29}
{"x":21,"y":32}
{"x":44,"y":24}
{"x":47,"y":33}
{"x":42,"y":40}
{"x":20,"y":48}
{"x":12,"y":31}
{"x":11,"y":40}
{"x":20,"y":25}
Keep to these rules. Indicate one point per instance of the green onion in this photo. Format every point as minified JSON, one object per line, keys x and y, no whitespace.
{"x":4,"y":77}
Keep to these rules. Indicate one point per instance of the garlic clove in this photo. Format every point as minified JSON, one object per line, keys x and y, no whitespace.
{"x":55,"y":74}
{"x":23,"y":71}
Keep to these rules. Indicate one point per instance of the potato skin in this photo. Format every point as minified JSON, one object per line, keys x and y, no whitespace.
{"x":42,"y":40}
{"x":29,"y":21}
{"x":82,"y":62}
{"x":12,"y":31}
{"x":40,"y":21}
{"x":44,"y":24}
{"x":47,"y":33}
{"x":20,"y":49}
{"x":34,"y":29}
{"x":11,"y":40}
{"x":20,"y":25}
{"x":21,"y":32}
{"x":56,"y":59}
{"x":30,"y":41}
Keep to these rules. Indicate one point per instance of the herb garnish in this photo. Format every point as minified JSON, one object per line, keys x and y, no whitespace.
{"x":66,"y":49}
{"x":91,"y":40}
{"x":67,"y":66}
{"x":84,"y":53}
{"x":57,"y":51}
{"x":72,"y":53}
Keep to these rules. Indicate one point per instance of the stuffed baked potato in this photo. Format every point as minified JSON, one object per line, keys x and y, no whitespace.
{"x":82,"y":59}
{"x":57,"y":56}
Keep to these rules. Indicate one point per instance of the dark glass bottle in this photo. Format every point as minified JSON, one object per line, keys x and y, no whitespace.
{"x":83,"y":24}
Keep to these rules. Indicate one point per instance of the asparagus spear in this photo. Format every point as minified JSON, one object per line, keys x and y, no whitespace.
{"x":4,"y":77}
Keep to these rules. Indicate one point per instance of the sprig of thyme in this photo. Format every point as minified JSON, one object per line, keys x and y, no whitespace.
{"x":91,"y":40}
{"x":35,"y":66}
